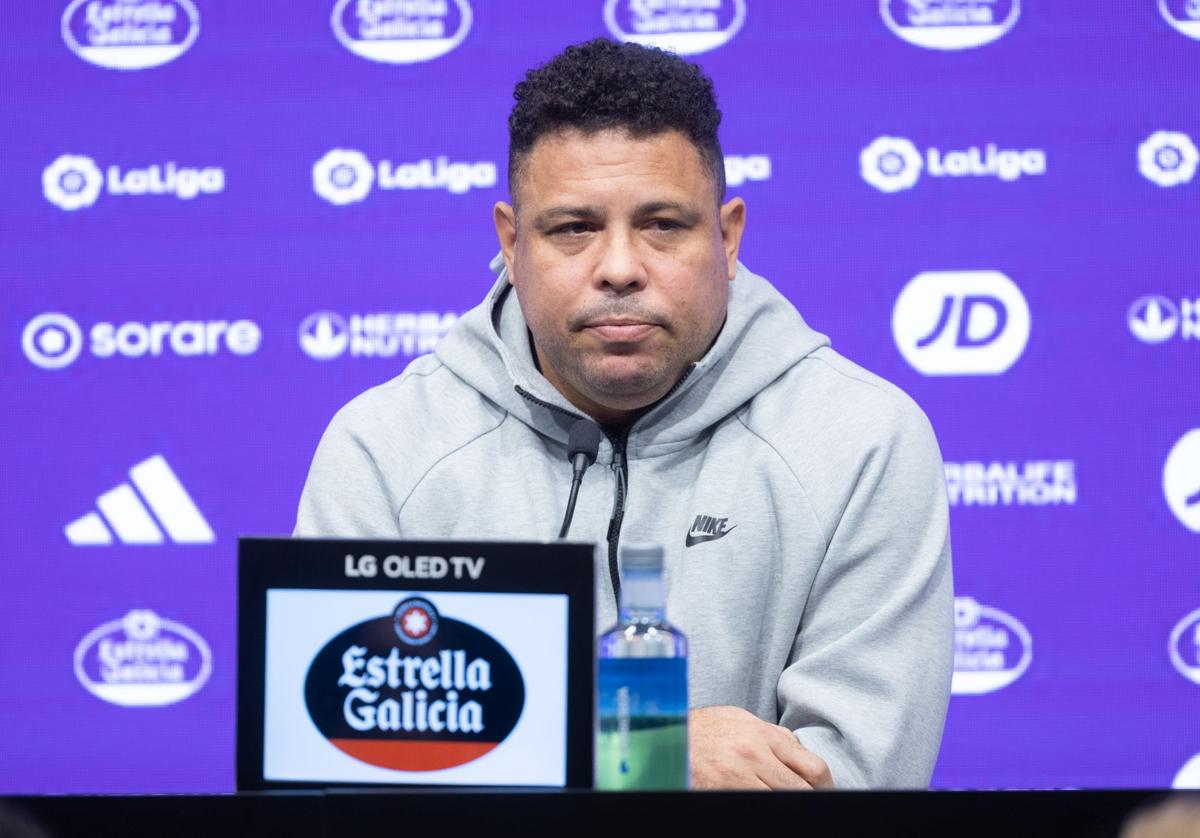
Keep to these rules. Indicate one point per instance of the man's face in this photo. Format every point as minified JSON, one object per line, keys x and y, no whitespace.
{"x":621,"y":259}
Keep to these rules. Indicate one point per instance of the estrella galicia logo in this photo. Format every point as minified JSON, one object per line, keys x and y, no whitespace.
{"x":404,"y":32}
{"x":950,"y":24}
{"x":1153,"y":319}
{"x":1184,"y":15}
{"x":685,"y":27}
{"x":961,"y":322}
{"x":992,"y":649}
{"x":143,"y":660}
{"x":414,"y":690}
{"x":1184,"y":646}
{"x":1181,"y":480}
{"x":130,"y":34}
{"x":1168,"y":158}
{"x":707,"y":528}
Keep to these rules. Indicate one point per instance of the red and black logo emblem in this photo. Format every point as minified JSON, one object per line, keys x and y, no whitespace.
{"x":445,"y":694}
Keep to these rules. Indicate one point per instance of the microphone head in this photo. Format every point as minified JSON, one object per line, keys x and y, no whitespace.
{"x":584,"y":438}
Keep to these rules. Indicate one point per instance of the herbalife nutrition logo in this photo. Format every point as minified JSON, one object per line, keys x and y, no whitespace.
{"x":125,"y":511}
{"x":326,"y":335}
{"x":345,"y":176}
{"x":893,"y":164}
{"x":1156,"y":319}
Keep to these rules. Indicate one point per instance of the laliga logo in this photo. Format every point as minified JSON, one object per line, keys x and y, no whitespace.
{"x":401,"y":31}
{"x":73,"y":181}
{"x":1181,"y":480}
{"x":950,"y":24}
{"x":345,"y":176}
{"x":1168,"y":158}
{"x":681,"y":26}
{"x":445,"y":696}
{"x":891,"y":164}
{"x":1184,"y":15}
{"x":991,"y":648}
{"x":143,"y":660}
{"x":961,"y":323}
{"x":130,"y":34}
{"x":741,"y":168}
{"x":1184,"y":647}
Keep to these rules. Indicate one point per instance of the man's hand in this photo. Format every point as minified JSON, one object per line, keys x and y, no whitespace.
{"x":734,"y":749}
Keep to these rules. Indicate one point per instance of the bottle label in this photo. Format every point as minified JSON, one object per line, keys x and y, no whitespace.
{"x":642,"y":741}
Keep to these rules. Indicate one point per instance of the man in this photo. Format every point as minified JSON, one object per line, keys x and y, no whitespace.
{"x":800,"y":499}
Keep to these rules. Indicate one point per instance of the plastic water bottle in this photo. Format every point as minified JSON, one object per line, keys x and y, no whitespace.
{"x":642,"y":742}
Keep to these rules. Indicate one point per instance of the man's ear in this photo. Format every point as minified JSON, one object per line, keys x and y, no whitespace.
{"x":733,"y":223}
{"x":505,"y":218}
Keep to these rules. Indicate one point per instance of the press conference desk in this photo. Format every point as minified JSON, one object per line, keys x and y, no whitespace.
{"x":521,"y":812}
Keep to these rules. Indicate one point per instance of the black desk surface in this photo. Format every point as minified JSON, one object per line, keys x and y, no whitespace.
{"x":428,"y":813}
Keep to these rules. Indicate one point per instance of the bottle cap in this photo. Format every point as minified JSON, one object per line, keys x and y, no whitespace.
{"x":643,"y":557}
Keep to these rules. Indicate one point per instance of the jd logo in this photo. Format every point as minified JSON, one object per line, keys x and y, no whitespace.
{"x":961,"y":323}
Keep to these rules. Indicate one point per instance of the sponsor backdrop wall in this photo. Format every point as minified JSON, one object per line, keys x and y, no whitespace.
{"x":224,"y":220}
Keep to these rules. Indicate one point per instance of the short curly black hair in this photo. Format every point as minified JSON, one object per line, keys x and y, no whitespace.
{"x":601,"y":84}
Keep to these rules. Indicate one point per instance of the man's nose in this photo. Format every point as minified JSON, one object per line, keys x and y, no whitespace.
{"x":620,"y":266}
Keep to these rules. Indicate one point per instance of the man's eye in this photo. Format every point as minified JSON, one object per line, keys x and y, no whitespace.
{"x":576,"y":229}
{"x":665,"y":225}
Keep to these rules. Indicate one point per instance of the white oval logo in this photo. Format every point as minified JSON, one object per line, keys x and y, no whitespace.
{"x":1181,"y":480}
{"x":1184,"y":15}
{"x":991,"y":648}
{"x":130,"y":34}
{"x":961,"y":322}
{"x":685,"y":27}
{"x":401,"y":31}
{"x":1189,"y":775}
{"x":950,"y":24}
{"x":143,"y":660}
{"x":1184,"y":646}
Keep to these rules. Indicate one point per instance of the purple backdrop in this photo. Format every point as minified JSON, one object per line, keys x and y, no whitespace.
{"x":221,"y":221}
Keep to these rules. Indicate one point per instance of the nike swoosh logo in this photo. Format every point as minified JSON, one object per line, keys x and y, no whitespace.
{"x":692,"y":539}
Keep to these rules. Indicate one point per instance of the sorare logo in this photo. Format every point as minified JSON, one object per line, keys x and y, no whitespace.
{"x":685,"y":27}
{"x":1168,"y":158}
{"x":1181,"y":480}
{"x":54,"y":340}
{"x":992,"y":649}
{"x":414,"y":690}
{"x":894,"y":164}
{"x":1183,"y":15}
{"x":130,"y":34}
{"x":326,"y":335}
{"x":950,"y":24}
{"x":74,"y":181}
{"x":143,"y":660}
{"x":961,"y":323}
{"x":346,"y":176}
{"x":401,"y":31}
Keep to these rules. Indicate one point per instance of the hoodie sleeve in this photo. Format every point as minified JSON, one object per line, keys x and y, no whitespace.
{"x":868,"y":680}
{"x":346,"y":494}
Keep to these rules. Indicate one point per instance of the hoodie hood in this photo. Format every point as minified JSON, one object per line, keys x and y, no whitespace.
{"x":489,"y":349}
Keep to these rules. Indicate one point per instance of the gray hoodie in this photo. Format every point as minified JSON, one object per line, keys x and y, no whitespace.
{"x":800,"y":500}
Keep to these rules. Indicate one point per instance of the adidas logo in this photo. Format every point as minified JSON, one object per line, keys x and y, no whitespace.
{"x":125,"y":511}
{"x":707,"y":528}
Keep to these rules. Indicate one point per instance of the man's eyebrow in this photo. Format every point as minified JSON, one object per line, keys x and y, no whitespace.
{"x":690,"y":214}
{"x":552,"y":214}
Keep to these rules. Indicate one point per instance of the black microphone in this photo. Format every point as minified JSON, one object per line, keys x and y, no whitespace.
{"x":583,"y":443}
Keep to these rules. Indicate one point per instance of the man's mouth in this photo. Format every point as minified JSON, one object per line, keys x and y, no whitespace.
{"x":620,"y":329}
